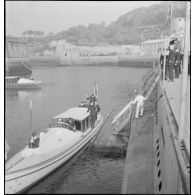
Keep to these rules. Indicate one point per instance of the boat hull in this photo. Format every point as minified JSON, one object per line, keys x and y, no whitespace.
{"x":17,"y":182}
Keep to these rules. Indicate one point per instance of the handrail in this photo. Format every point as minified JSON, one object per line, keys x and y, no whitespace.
{"x":128,"y":107}
{"x":155,"y":73}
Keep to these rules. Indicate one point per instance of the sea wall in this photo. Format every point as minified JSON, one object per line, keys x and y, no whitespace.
{"x":44,"y":61}
{"x":125,"y":60}
{"x":137,"y":61}
{"x":91,"y":61}
{"x":121,"y":60}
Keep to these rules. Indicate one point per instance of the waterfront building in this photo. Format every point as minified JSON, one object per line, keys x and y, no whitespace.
{"x":16,"y":47}
{"x":16,"y":57}
{"x":155,"y":47}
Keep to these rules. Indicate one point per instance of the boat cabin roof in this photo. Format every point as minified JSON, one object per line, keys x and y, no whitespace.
{"x":77,"y":113}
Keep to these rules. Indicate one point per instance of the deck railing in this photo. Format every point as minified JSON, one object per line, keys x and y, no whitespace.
{"x":123,"y":117}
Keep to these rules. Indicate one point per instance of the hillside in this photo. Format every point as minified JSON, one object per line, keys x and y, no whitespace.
{"x":131,"y":28}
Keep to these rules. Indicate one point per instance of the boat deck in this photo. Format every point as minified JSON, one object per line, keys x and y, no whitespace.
{"x":108,"y":144}
{"x":173,"y":92}
{"x":152,"y":153}
{"x":138,"y":173}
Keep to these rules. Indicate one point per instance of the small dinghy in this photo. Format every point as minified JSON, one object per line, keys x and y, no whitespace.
{"x":17,"y":82}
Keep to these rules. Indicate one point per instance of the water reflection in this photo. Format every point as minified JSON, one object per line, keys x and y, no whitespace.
{"x":21,"y":94}
{"x":63,"y":88}
{"x":84,"y":174}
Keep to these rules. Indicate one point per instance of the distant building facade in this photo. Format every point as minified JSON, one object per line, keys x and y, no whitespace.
{"x":53,"y":43}
{"x":153,"y":47}
{"x":64,"y":49}
{"x":16,"y":47}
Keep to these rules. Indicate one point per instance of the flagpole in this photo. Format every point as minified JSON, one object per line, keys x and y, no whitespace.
{"x":184,"y":75}
{"x":30,"y":115}
{"x":171,"y":16}
{"x":171,"y":10}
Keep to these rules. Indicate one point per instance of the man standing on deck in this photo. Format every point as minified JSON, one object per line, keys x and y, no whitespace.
{"x":34,"y":141}
{"x":140,"y":105}
{"x":93,"y":114}
{"x":171,"y":62}
{"x":166,"y":62}
{"x":177,"y":63}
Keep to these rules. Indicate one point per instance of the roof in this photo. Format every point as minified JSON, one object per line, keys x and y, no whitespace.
{"x":77,"y":113}
{"x":12,"y":77}
{"x":154,"y":41}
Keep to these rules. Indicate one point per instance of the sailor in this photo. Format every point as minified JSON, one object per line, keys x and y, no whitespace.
{"x":71,"y":124}
{"x":97,"y":107}
{"x":34,"y":141}
{"x":189,"y":63}
{"x":92,"y":99}
{"x":181,"y":59}
{"x":93,"y":114}
{"x":82,"y":104}
{"x":166,"y":62}
{"x":139,"y":99}
{"x":177,"y":63}
{"x":171,"y":62}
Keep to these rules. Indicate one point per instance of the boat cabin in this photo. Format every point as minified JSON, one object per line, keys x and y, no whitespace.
{"x":75,"y":119}
{"x":13,"y":79}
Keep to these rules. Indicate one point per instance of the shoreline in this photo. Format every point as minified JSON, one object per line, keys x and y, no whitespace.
{"x":121,"y":61}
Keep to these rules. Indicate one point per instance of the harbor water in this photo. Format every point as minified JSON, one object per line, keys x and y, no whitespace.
{"x":65,"y":87}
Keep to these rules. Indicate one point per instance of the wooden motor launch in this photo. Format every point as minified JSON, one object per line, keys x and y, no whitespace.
{"x":68,"y":133}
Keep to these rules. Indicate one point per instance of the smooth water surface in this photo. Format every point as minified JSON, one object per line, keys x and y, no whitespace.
{"x":64,"y":87}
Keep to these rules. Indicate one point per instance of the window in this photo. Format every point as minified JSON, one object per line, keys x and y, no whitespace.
{"x":83,"y":125}
{"x":87,"y":122}
{"x":77,"y":125}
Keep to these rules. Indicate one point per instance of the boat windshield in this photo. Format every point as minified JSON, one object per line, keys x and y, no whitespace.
{"x":12,"y":79}
{"x":64,"y":123}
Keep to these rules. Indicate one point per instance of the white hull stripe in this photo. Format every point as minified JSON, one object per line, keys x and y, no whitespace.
{"x":57,"y":156}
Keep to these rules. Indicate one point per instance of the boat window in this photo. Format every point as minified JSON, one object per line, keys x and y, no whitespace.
{"x":77,"y":125}
{"x":64,"y":125}
{"x":64,"y":120}
{"x":87,"y":123}
{"x":83,"y":125}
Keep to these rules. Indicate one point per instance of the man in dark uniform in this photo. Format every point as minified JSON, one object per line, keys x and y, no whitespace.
{"x":181,"y":59}
{"x":93,"y":114}
{"x":34,"y":141}
{"x":171,"y":62}
{"x":166,"y":63}
{"x":177,"y":63}
{"x":189,"y":63}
